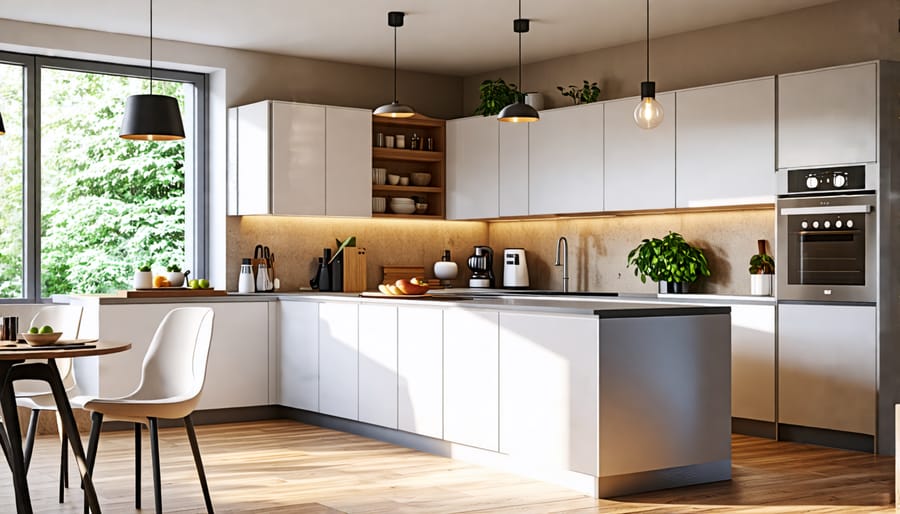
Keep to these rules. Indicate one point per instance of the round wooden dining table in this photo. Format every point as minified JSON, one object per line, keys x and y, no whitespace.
{"x":13,"y":366}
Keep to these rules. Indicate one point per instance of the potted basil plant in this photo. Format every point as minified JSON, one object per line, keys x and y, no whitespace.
{"x":671,"y":261}
{"x":762,"y":269}
{"x":495,"y":95}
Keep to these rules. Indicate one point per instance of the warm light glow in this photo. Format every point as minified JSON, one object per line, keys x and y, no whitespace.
{"x":649,"y":113}
{"x":396,"y":114}
{"x":519,"y":119}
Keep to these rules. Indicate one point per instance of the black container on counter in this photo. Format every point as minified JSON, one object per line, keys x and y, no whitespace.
{"x":337,"y":273}
{"x":323,"y":275}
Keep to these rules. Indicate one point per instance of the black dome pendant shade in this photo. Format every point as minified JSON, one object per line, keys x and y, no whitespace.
{"x":395,"y":109}
{"x":519,"y":112}
{"x":152,"y":117}
{"x":2,"y":128}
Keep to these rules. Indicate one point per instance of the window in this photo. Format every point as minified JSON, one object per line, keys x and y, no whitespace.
{"x":99,"y":205}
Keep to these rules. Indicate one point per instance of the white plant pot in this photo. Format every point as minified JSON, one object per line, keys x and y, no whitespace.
{"x":761,"y":285}
{"x":535,"y":100}
{"x":175,"y":278}
{"x":143,"y":280}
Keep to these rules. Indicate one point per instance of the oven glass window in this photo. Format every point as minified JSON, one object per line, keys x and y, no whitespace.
{"x":834,"y":256}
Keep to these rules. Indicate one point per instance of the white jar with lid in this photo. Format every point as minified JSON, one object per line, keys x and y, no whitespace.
{"x":246,"y":283}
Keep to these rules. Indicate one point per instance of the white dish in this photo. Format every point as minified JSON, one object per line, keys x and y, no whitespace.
{"x":403,"y":208}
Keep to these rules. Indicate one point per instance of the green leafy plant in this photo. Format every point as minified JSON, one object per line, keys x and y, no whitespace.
{"x":588,"y":93}
{"x":145,"y":268}
{"x":762,"y":263}
{"x":495,"y":95}
{"x":671,"y":259}
{"x":173,"y":268}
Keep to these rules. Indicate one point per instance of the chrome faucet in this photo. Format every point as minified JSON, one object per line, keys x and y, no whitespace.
{"x":565,"y":263}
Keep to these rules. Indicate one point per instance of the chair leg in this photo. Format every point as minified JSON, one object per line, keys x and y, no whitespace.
{"x":29,"y":437}
{"x":195,"y":448}
{"x":63,"y":466}
{"x":3,"y":443}
{"x":137,"y":466}
{"x":154,"y":455}
{"x":93,"y":442}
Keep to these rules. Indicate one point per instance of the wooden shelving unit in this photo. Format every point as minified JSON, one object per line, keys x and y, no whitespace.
{"x":404,"y":161}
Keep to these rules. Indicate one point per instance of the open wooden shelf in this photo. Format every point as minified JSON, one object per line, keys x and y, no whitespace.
{"x":400,"y":154}
{"x":407,"y":189}
{"x":408,"y":216}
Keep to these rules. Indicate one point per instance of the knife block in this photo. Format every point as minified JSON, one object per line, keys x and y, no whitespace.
{"x":354,"y":269}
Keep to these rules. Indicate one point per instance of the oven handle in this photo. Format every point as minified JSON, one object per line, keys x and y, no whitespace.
{"x":827,"y":209}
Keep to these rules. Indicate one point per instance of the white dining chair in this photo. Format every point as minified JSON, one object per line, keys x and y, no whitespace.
{"x":36,"y":396}
{"x":172,"y":378}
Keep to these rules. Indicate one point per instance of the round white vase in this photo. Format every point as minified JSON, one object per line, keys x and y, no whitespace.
{"x":761,"y":285}
{"x":143,"y":280}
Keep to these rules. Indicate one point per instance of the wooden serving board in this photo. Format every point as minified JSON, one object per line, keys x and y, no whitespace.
{"x":394,"y":273}
{"x":171,"y":292}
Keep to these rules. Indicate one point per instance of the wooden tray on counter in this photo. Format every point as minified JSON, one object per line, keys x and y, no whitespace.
{"x":171,"y":292}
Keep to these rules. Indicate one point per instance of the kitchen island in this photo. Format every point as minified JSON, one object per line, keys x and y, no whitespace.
{"x":605,"y":396}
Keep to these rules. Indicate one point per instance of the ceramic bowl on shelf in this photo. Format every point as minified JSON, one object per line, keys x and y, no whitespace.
{"x":420,"y":179}
{"x":378,"y":204}
{"x":393,"y":179}
{"x":403,"y":205}
{"x":421,"y":208}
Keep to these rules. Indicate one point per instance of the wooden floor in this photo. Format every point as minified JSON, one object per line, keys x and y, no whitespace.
{"x":284,"y":466}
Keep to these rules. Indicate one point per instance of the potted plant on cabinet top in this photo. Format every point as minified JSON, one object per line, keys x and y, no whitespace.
{"x":762,"y":269}
{"x":671,"y":261}
{"x":588,"y":93}
{"x":495,"y":95}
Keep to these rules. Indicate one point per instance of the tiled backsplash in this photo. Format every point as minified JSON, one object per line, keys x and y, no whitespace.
{"x":598,"y":246}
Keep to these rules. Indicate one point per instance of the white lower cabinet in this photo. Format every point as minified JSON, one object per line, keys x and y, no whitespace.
{"x":237,"y":372}
{"x":378,"y":365}
{"x":420,"y":370}
{"x":753,"y":362}
{"x":471,"y":378}
{"x":549,"y":390}
{"x":827,"y":366}
{"x":298,"y":355}
{"x":338,"y":359}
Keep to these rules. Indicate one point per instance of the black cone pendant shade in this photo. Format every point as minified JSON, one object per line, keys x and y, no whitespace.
{"x":519,"y":112}
{"x":2,"y":128}
{"x":152,"y":117}
{"x":395,"y":109}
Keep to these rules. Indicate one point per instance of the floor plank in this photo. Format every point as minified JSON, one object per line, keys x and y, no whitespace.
{"x":284,"y":466}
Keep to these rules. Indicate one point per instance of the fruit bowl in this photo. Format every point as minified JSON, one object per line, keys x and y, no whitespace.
{"x":41,"y":339}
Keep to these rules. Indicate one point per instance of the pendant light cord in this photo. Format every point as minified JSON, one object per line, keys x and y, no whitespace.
{"x":395,"y":64}
{"x":151,"y":47}
{"x":648,"y":40}
{"x":520,"y":49}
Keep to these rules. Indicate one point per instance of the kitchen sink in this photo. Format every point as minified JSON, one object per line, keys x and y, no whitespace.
{"x":541,"y":292}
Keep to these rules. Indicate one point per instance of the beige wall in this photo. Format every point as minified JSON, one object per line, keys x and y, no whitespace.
{"x":837,"y":33}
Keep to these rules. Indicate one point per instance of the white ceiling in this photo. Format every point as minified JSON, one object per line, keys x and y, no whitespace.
{"x":457,"y":37}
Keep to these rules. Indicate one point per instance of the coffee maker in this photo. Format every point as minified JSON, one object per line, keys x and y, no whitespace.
{"x":482,"y":266}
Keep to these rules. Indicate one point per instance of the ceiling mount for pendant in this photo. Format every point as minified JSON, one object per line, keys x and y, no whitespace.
{"x":648,"y":113}
{"x":519,"y":111}
{"x":152,"y":117}
{"x":395,"y":109}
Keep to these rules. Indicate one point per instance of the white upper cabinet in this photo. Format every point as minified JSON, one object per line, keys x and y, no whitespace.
{"x":514,"y":169}
{"x":565,"y":150}
{"x":472,"y":168}
{"x":300,"y":159}
{"x":639,"y":164}
{"x":828,"y":116}
{"x":725,"y":149}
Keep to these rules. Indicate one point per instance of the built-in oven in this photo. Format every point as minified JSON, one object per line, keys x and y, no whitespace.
{"x":826,"y":236}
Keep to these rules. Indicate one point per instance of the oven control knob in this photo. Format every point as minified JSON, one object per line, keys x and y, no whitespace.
{"x":804,"y":225}
{"x":849,"y":223}
{"x":827,"y":224}
{"x":838,"y":224}
{"x":812,"y":182}
{"x":839,"y":180}
{"x":815,"y":224}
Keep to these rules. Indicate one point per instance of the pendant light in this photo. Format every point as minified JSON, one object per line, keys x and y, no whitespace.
{"x":519,"y":111}
{"x":151,"y":117}
{"x":649,"y":113}
{"x":2,"y":128}
{"x":395,"y":109}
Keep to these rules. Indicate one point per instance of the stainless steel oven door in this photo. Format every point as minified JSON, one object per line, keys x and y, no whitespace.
{"x":826,"y":248}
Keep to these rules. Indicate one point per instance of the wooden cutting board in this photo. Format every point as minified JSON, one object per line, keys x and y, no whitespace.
{"x":171,"y":292}
{"x":394,"y":273}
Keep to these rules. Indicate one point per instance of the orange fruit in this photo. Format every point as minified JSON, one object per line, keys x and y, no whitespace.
{"x":161,"y":281}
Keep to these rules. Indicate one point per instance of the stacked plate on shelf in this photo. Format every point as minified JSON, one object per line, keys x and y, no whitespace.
{"x":403,"y":205}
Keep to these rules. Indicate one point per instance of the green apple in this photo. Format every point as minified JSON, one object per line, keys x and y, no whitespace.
{"x":33,"y":330}
{"x":193,"y":284}
{"x":204,"y":284}
{"x":46,"y":329}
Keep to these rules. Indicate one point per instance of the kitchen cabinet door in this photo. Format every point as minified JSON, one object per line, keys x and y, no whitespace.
{"x":549,"y":397}
{"x":298,"y":355}
{"x":348,"y":162}
{"x":639,"y":164}
{"x":471,"y":378}
{"x":239,"y":348}
{"x":565,"y":150}
{"x":338,"y":359}
{"x":420,"y":370}
{"x":472,"y":168}
{"x":725,"y":144}
{"x":828,"y":117}
{"x":753,"y":362}
{"x":827,"y":366}
{"x":514,"y":169}
{"x":297,"y":159}
{"x":378,"y":365}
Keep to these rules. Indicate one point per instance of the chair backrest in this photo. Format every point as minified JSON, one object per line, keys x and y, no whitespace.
{"x":65,"y":319}
{"x":175,"y":364}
